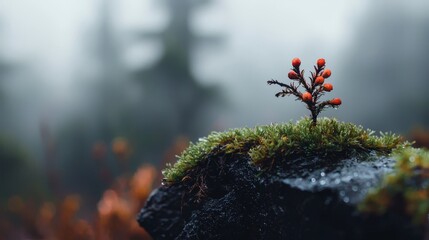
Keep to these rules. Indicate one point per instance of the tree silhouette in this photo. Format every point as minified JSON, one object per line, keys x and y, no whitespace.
{"x":174,"y":100}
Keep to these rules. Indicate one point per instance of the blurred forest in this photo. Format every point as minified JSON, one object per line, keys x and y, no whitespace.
{"x":132,"y":118}
{"x":83,"y":141}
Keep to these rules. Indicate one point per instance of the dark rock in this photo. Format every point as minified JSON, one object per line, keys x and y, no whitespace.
{"x":228,"y":198}
{"x":162,"y":216}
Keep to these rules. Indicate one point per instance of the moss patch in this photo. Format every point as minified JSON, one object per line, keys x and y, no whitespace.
{"x":406,"y":190}
{"x":264,"y":144}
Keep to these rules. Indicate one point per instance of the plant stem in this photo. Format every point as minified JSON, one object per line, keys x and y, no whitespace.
{"x":313,"y":114}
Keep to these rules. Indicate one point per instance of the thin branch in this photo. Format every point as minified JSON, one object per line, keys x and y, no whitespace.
{"x":272,"y":81}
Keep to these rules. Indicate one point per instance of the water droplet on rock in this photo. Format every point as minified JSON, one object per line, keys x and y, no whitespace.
{"x":322,"y":174}
{"x":322,"y":182}
{"x":313,"y":180}
{"x":346,"y":199}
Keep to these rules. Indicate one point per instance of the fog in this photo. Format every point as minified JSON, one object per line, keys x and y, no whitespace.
{"x":76,"y":73}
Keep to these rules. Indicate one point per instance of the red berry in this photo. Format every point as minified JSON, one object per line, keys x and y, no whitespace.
{"x":307,"y":97}
{"x":293,"y":75}
{"x":335,"y":101}
{"x":326,"y":73}
{"x":327,"y":87}
{"x":296,"y":62}
{"x":319,"y":80}
{"x":320,"y":62}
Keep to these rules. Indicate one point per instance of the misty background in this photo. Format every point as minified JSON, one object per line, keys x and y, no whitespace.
{"x":78,"y":76}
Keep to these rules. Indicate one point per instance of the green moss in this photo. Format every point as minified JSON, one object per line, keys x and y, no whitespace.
{"x":263,"y":144}
{"x":405,"y":190}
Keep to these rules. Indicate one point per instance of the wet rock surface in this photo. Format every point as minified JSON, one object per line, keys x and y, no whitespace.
{"x":302,"y":199}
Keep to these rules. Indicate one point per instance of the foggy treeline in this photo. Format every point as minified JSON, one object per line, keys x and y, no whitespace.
{"x":386,"y":69}
{"x":382,"y":75}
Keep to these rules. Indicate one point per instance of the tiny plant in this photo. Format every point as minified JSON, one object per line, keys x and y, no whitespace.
{"x":314,"y":89}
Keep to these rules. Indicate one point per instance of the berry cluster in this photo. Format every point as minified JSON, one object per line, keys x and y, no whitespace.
{"x":314,"y":89}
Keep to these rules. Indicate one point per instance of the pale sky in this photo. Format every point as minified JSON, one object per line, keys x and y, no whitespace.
{"x":49,"y":32}
{"x":260,"y":38}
